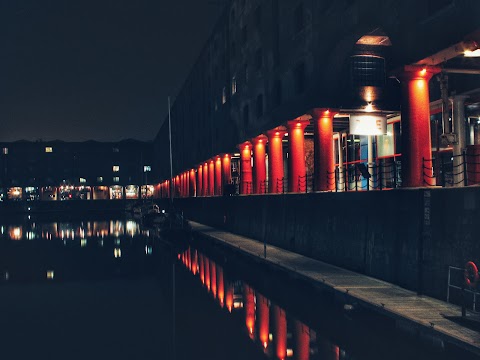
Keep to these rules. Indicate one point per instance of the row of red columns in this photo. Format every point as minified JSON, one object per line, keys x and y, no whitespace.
{"x":416,"y":149}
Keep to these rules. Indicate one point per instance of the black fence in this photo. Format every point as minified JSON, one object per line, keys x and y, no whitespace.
{"x":447,"y":170}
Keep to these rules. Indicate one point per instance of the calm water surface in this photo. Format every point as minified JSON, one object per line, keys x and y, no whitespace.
{"x":79,"y":288}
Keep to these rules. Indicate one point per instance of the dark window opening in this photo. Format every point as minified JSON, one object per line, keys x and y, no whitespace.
{"x":244,"y":35}
{"x":278,"y":92}
{"x":258,"y":59}
{"x":258,"y":15}
{"x":259,"y":106}
{"x":299,"y":18}
{"x":245,"y":116}
{"x":300,"y":78}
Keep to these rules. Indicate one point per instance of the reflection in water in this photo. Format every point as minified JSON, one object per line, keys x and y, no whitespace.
{"x":266,"y":323}
{"x":72,"y":231}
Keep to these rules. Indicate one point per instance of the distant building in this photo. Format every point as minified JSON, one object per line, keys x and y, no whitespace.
{"x":58,"y":167}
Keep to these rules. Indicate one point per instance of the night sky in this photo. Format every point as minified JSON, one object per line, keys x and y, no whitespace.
{"x":78,"y":70}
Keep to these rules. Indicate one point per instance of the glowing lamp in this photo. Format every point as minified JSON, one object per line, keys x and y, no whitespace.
{"x":277,"y":133}
{"x":423,"y":71}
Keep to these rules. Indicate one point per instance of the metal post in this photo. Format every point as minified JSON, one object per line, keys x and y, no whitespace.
{"x":465,"y":177}
{"x":460,"y":145}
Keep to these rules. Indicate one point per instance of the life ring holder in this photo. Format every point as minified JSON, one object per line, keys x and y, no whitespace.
{"x":471,"y":274}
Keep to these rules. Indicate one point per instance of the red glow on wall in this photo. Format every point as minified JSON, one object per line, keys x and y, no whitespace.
{"x":202,"y":268}
{"x":275,"y":160}
{"x":245,"y":168}
{"x":218,"y":176}
{"x":323,"y":142}
{"x":259,"y":165}
{"x":226,"y":169}
{"x":416,"y":140}
{"x":205,"y":180}
{"x":296,"y":142}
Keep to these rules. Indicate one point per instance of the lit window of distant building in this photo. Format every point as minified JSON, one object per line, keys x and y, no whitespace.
{"x":48,"y":149}
{"x":116,"y":179}
{"x":234,"y":85}
{"x":83,"y":180}
{"x":147,"y":168}
{"x":100,"y":179}
{"x":116,"y":168}
{"x":224,"y":95}
{"x":5,"y":151}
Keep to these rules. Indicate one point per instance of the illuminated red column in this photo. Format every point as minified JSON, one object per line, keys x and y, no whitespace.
{"x":323,"y":142}
{"x":229,"y":295}
{"x":416,"y":141}
{"x":275,"y":160}
{"x":218,"y":176}
{"x":220,"y":286}
{"x":213,"y":281}
{"x":249,"y":297}
{"x":296,"y":156}
{"x":186,"y":183}
{"x":259,"y":166}
{"x":177,"y":186}
{"x":205,"y":179}
{"x":211,"y":177}
{"x":280,"y":334}
{"x":200,"y":180}
{"x":245,"y":168}
{"x":226,"y":168}
{"x":263,"y":319}
{"x":302,"y":341}
{"x":193,"y":184}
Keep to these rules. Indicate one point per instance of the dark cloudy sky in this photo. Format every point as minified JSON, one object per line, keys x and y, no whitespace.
{"x":82,"y":69}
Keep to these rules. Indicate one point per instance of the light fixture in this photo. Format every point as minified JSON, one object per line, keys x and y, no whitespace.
{"x":472,"y":53}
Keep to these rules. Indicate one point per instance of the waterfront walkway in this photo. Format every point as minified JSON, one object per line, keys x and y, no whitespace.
{"x":425,"y":314}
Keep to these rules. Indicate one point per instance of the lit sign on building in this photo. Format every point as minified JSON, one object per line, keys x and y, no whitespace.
{"x":368,"y":124}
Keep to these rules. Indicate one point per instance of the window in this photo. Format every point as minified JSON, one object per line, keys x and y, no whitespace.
{"x":299,"y":18}
{"x":116,"y":179}
{"x":116,"y":168}
{"x":244,"y":35}
{"x":259,"y":105}
{"x":245,"y":115}
{"x":278,"y":92}
{"x":83,"y":180}
{"x":5,"y":151}
{"x":48,"y":149}
{"x":100,"y":179}
{"x":258,"y":59}
{"x":234,"y":85}
{"x":224,"y":95}
{"x":147,"y":168}
{"x":300,"y":78}
{"x":258,"y":15}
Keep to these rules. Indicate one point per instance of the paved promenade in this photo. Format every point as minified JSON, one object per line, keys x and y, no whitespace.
{"x":426,"y":314}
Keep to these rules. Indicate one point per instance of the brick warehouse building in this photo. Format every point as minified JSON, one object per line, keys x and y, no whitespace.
{"x":269,"y":65}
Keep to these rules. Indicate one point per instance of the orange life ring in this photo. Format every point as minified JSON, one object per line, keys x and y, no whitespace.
{"x":471,"y":274}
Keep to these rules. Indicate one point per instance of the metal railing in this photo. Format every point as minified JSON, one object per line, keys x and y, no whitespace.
{"x":458,"y":296}
{"x":447,"y":170}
